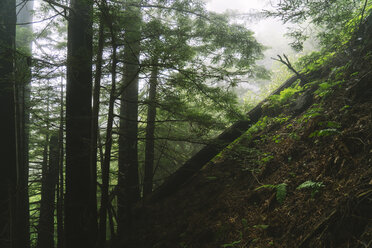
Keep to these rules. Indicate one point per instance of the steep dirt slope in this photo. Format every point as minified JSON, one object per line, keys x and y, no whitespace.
{"x":329,"y":145}
{"x":300,"y":177}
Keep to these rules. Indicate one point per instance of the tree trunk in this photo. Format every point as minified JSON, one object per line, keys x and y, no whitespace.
{"x":23,"y":79}
{"x":111,"y":218}
{"x":48,"y":187}
{"x":105,"y":167}
{"x":80,"y":198}
{"x":196,"y":162}
{"x":60,"y":185}
{"x":43,"y":237}
{"x":150,"y":132}
{"x":96,"y":103}
{"x":8,"y":151}
{"x":128,"y":181}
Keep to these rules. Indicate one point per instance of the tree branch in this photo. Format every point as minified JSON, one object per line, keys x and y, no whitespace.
{"x":286,"y":62}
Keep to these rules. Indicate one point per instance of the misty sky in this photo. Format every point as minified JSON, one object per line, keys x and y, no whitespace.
{"x":269,"y":32}
{"x":242,"y":5}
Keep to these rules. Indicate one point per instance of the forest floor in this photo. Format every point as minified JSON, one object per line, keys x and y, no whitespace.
{"x":250,"y":195}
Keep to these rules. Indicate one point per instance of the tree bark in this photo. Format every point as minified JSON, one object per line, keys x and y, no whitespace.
{"x":8,"y":151}
{"x":96,"y":104}
{"x":60,"y":185}
{"x":41,"y":230}
{"x":150,"y":132}
{"x":105,"y":167}
{"x":80,"y":197}
{"x":48,"y":189}
{"x":23,"y":88}
{"x":128,"y":181}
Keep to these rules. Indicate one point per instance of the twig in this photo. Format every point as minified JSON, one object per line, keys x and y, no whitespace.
{"x":289,"y":65}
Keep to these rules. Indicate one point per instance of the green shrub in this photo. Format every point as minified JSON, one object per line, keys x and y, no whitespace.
{"x":327,"y":88}
{"x":284,"y":96}
{"x":311,"y":113}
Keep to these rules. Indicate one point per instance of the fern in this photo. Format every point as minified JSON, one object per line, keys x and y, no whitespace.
{"x":324,"y":132}
{"x":261,"y":226}
{"x":233,"y":244}
{"x":281,"y":190}
{"x":314,"y":186}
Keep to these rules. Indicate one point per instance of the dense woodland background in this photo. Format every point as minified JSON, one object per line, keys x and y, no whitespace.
{"x":115,"y":104}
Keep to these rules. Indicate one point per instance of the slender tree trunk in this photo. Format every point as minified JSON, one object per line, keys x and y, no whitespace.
{"x":44,"y":171}
{"x":47,"y":204}
{"x":60,"y":185}
{"x":80,"y":198}
{"x":105,"y":167}
{"x":43,"y":237}
{"x":128,"y":181}
{"x":23,"y":79}
{"x":111,"y":216}
{"x":8,"y":151}
{"x":96,"y":103}
{"x":150,"y":132}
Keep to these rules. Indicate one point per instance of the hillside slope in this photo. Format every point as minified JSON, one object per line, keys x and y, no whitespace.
{"x":300,"y":177}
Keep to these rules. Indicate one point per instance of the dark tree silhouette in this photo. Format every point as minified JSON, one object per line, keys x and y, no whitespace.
{"x":80,"y":199}
{"x":8,"y":152}
{"x":48,"y":189}
{"x":128,"y":181}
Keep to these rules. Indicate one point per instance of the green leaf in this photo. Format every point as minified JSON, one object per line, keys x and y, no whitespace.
{"x":311,"y":184}
{"x":261,"y":226}
{"x":231,"y":244}
{"x":324,"y":132}
{"x":267,"y":186}
{"x":211,"y":178}
{"x":281,"y":192}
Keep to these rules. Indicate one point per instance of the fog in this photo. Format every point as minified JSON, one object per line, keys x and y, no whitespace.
{"x":270,"y":32}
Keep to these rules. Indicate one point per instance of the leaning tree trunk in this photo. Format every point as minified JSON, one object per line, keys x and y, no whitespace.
{"x":48,"y":188}
{"x":150,"y":132}
{"x":128,"y":181}
{"x":80,"y":197}
{"x":196,"y":162}
{"x":8,"y":151}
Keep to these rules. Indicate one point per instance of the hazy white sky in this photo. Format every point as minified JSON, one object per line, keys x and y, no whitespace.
{"x":269,"y":32}
{"x":241,"y":5}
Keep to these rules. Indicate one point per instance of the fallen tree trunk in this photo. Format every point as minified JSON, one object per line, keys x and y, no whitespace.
{"x":195,"y":163}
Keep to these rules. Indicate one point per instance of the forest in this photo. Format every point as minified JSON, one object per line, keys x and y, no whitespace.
{"x":155,"y":124}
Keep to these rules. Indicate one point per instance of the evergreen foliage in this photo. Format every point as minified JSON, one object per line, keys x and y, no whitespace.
{"x":333,"y":21}
{"x":166,"y":77}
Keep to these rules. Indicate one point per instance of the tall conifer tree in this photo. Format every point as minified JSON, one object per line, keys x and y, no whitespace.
{"x":128,"y":181}
{"x":8,"y":152}
{"x":80,"y":200}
